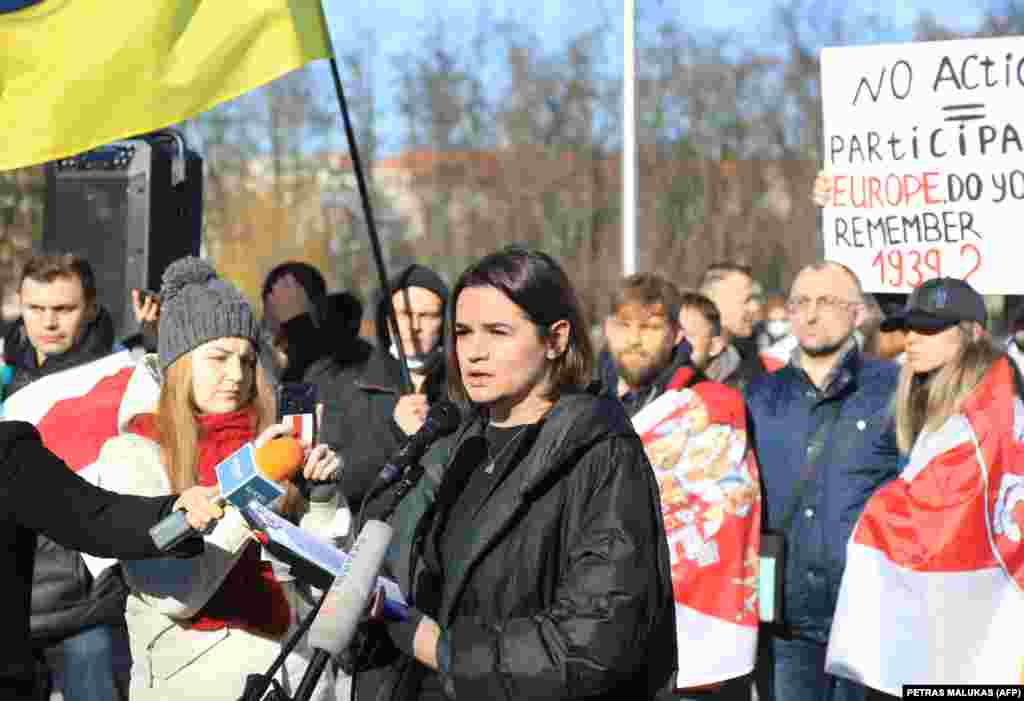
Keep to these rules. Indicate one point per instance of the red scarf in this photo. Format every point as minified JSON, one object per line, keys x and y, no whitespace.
{"x":249,"y":597}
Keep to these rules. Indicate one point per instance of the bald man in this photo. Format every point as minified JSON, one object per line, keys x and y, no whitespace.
{"x":825,"y":441}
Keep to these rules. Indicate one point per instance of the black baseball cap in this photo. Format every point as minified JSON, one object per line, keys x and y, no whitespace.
{"x":938,"y":304}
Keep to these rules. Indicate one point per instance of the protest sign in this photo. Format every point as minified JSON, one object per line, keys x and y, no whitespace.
{"x":926,"y":147}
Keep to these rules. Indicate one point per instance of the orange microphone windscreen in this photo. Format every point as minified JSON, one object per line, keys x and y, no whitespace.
{"x":280,"y":458}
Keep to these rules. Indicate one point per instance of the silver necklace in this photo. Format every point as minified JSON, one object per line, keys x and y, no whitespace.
{"x":492,"y":459}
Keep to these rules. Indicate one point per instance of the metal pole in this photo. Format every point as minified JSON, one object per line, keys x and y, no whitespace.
{"x":371,"y":226}
{"x":629,"y":140}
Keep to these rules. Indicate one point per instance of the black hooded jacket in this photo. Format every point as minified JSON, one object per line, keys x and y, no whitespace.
{"x":359,"y":403}
{"x":65,"y":598}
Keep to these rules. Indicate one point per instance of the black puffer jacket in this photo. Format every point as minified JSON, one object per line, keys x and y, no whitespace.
{"x":65,"y":599}
{"x":565,"y":592}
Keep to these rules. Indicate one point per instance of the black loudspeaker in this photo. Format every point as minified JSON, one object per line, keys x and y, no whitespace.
{"x":129,"y":208}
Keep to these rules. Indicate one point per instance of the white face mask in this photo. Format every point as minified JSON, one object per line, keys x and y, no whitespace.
{"x":415,"y":362}
{"x":777,"y":328}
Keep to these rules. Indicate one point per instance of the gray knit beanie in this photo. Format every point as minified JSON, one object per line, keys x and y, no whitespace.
{"x":196,"y":306}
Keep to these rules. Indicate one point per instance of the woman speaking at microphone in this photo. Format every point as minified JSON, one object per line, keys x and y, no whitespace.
{"x":540,"y":570}
{"x":198,"y":626}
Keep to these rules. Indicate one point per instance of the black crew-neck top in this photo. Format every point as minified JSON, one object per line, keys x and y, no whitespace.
{"x":506,"y":447}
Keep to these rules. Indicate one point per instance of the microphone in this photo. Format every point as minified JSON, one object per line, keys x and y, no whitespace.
{"x":345,"y":604}
{"x":320,"y":491}
{"x":246,"y":475}
{"x":442,"y":419}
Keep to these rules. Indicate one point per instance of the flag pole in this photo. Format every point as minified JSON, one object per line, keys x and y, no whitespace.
{"x":629,"y":148}
{"x":371,"y":225}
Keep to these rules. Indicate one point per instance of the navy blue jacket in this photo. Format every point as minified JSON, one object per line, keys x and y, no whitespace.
{"x":858,"y":454}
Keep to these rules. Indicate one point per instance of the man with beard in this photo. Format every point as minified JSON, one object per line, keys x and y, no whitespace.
{"x":643,"y":335}
{"x":649,"y":362}
{"x":825,"y":440}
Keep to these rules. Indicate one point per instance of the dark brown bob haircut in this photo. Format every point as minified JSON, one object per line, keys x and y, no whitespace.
{"x":47,"y":267}
{"x":536,"y":284}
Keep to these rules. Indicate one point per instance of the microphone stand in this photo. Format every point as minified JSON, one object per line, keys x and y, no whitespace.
{"x":312,"y":676}
{"x":256,"y":690}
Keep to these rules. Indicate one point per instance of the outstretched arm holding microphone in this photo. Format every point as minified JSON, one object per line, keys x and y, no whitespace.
{"x":40,"y":494}
{"x":247,"y":475}
{"x":180,"y":589}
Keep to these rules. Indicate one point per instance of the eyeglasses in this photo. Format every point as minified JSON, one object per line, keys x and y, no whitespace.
{"x":829,"y":303}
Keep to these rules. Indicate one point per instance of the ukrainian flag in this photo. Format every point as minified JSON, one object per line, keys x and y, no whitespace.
{"x":76,"y":74}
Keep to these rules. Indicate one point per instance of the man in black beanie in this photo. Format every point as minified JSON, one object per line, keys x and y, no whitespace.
{"x":368,"y":415}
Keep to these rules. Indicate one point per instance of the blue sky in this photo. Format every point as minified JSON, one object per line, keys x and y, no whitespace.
{"x":396,"y":26}
{"x":392,"y":20}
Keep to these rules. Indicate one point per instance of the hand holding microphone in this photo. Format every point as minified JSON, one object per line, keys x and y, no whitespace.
{"x":442,"y":419}
{"x":319,"y":463}
{"x":248,"y":474}
{"x":200,"y":506}
{"x":410,"y":412}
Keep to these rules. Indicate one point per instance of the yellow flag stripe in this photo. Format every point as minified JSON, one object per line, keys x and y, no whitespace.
{"x":76,"y":74}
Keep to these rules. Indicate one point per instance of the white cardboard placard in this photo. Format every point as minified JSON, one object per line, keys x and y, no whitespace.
{"x":926,"y":145}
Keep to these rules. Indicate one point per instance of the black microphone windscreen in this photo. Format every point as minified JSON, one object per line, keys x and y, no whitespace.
{"x":445,"y":416}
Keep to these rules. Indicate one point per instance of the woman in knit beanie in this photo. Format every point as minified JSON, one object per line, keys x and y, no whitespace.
{"x":198,"y":626}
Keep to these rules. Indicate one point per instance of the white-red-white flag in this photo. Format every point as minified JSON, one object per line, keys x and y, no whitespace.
{"x":932,"y":587}
{"x":76,"y":410}
{"x":302,"y":426}
{"x":695,"y":437}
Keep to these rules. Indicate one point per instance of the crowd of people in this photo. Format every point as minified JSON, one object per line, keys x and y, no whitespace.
{"x":580,"y":535}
